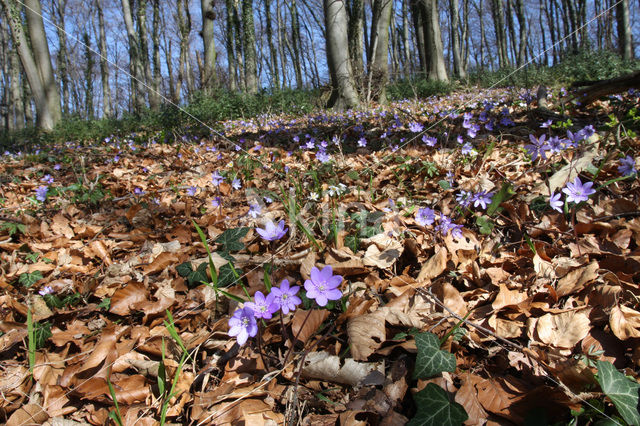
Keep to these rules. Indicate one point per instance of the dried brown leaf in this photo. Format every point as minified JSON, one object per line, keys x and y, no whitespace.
{"x":563,"y":330}
{"x":576,"y":280}
{"x":303,"y":329}
{"x":125,"y":299}
{"x":624,"y":322}
{"x":366,"y":333}
{"x":434,"y":266}
{"x":324,"y":366}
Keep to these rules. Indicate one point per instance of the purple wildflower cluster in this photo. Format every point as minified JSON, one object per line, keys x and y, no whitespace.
{"x":426,"y":216}
{"x":322,"y":287}
{"x":575,"y":191}
{"x":478,"y":199}
{"x":540,"y":147}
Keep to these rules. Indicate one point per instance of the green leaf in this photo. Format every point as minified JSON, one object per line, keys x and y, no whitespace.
{"x":230,"y":239}
{"x":485,"y":225}
{"x":506,"y":191}
{"x":184,"y":269}
{"x":29,"y":279}
{"x":434,"y":408}
{"x":227,"y":276}
{"x":430,"y":360}
{"x":622,"y":391}
{"x":444,"y":184}
{"x":198,"y":276}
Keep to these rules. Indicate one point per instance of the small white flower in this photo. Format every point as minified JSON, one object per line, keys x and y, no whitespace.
{"x":314,"y":196}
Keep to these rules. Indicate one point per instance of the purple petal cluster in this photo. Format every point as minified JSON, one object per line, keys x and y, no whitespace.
{"x":425,"y":216}
{"x":577,"y":191}
{"x":323,"y":285}
{"x":271,"y":231}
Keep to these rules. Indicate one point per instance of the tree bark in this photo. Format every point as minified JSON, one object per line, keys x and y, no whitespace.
{"x":343,"y":94}
{"x":104,"y":65}
{"x":297,"y":43}
{"x":209,"y":66}
{"x":40,"y":77}
{"x":379,"y":69}
{"x":88,"y":76}
{"x":458,"y":70}
{"x":522,"y":23}
{"x":249,"y":47}
{"x":135,"y":61}
{"x":229,"y":37}
{"x":156,"y":82}
{"x":624,"y":30}
{"x":436,"y":68}
{"x":355,"y":34}
{"x":501,"y":36}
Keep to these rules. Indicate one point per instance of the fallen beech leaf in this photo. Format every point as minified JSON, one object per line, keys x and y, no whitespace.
{"x":324,"y":366}
{"x":366,"y":334}
{"x":451,"y":297}
{"x":125,"y":299}
{"x":508,"y":297}
{"x":30,"y":414}
{"x":383,"y":251}
{"x":467,"y":396}
{"x":575,"y":280}
{"x":624,"y":322}
{"x":302,"y":329}
{"x":161,"y":262}
{"x":434,"y":266}
{"x":100,"y":250}
{"x":563,"y":330}
{"x":103,"y":354}
{"x":497,"y":396}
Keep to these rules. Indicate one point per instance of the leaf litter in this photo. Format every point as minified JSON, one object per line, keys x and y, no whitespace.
{"x":495,"y":309}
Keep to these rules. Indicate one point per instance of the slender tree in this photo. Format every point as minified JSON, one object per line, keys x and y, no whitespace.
{"x":36,"y":60}
{"x":88,"y":75}
{"x":458,"y":69}
{"x":136,"y":69}
{"x":104,"y":65}
{"x":248,"y":42}
{"x":208,"y":16}
{"x":343,"y":92}
{"x":624,"y":30}
{"x":379,"y":67}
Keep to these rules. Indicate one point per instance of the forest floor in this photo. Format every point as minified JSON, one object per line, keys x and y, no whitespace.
{"x":486,"y":253}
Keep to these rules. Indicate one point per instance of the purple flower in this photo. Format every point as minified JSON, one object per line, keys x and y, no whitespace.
{"x":546,"y":124}
{"x":57,"y":167}
{"x":236,"y":183}
{"x":425,"y":216}
{"x":47,"y":179}
{"x":216,"y":178}
{"x":429,"y":140}
{"x":216,"y":201}
{"x":254,"y":210}
{"x":362,"y":142}
{"x":627,"y":166}
{"x":138,"y":191}
{"x":243,"y":325}
{"x":467,"y":149}
{"x":322,"y":156}
{"x":537,"y":148}
{"x":285,"y":296}
{"x":271,"y":231}
{"x":45,"y":290}
{"x":263,"y":307}
{"x":464,"y":198}
{"x":447,"y":225}
{"x":191,"y":191}
{"x":577,"y":191}
{"x":41,"y":193}
{"x":555,"y":202}
{"x":481,"y":198}
{"x":415,"y":127}
{"x":323,"y":285}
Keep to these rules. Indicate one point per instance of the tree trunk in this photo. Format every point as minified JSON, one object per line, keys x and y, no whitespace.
{"x":249,"y":47}
{"x":355,"y":34}
{"x":343,"y":94}
{"x":17,"y":100}
{"x":501,"y":35}
{"x":135,"y":62}
{"x":229,"y":37}
{"x":624,"y":30}
{"x":156,"y":83}
{"x":436,"y":68}
{"x":104,"y":65}
{"x":40,"y":77}
{"x":209,"y":66}
{"x":62,"y":56}
{"x":379,"y":67}
{"x":458,"y":70}
{"x":408,"y":68}
{"x":522,"y":23}
{"x":273,"y":53}
{"x":297,"y":43}
{"x":88,"y":76}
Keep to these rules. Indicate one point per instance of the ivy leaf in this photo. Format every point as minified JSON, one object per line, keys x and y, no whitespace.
{"x":622,"y":391}
{"x":444,"y":184}
{"x":184,"y":269}
{"x":228,"y":276}
{"x":198,"y":276}
{"x":434,"y":408}
{"x":430,"y":359}
{"x":230,"y":239}
{"x":29,"y":279}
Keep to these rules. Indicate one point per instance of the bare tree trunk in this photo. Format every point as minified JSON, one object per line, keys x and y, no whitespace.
{"x":135,"y":62}
{"x":624,"y":30}
{"x":104,"y":65}
{"x":480,"y":13}
{"x":39,"y":75}
{"x":297,"y":42}
{"x":62,"y":56}
{"x":283,"y":57}
{"x":573,"y":23}
{"x":273,"y":53}
{"x":343,"y":94}
{"x":209,"y":66}
{"x":355,"y":34}
{"x":511,"y":32}
{"x":17,"y":100}
{"x":501,"y":35}
{"x":522,"y":23}
{"x":88,"y":76}
{"x":418,"y":17}
{"x":379,"y":67}
{"x":156,"y":82}
{"x":436,"y":68}
{"x":249,"y":47}
{"x":229,"y":37}
{"x":405,"y":38}
{"x":458,"y":70}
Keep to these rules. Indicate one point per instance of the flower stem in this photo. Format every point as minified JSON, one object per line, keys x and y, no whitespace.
{"x":293,"y":341}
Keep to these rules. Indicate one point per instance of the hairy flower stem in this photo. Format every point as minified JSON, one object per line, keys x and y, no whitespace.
{"x":573,"y":225}
{"x":293,"y":341}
